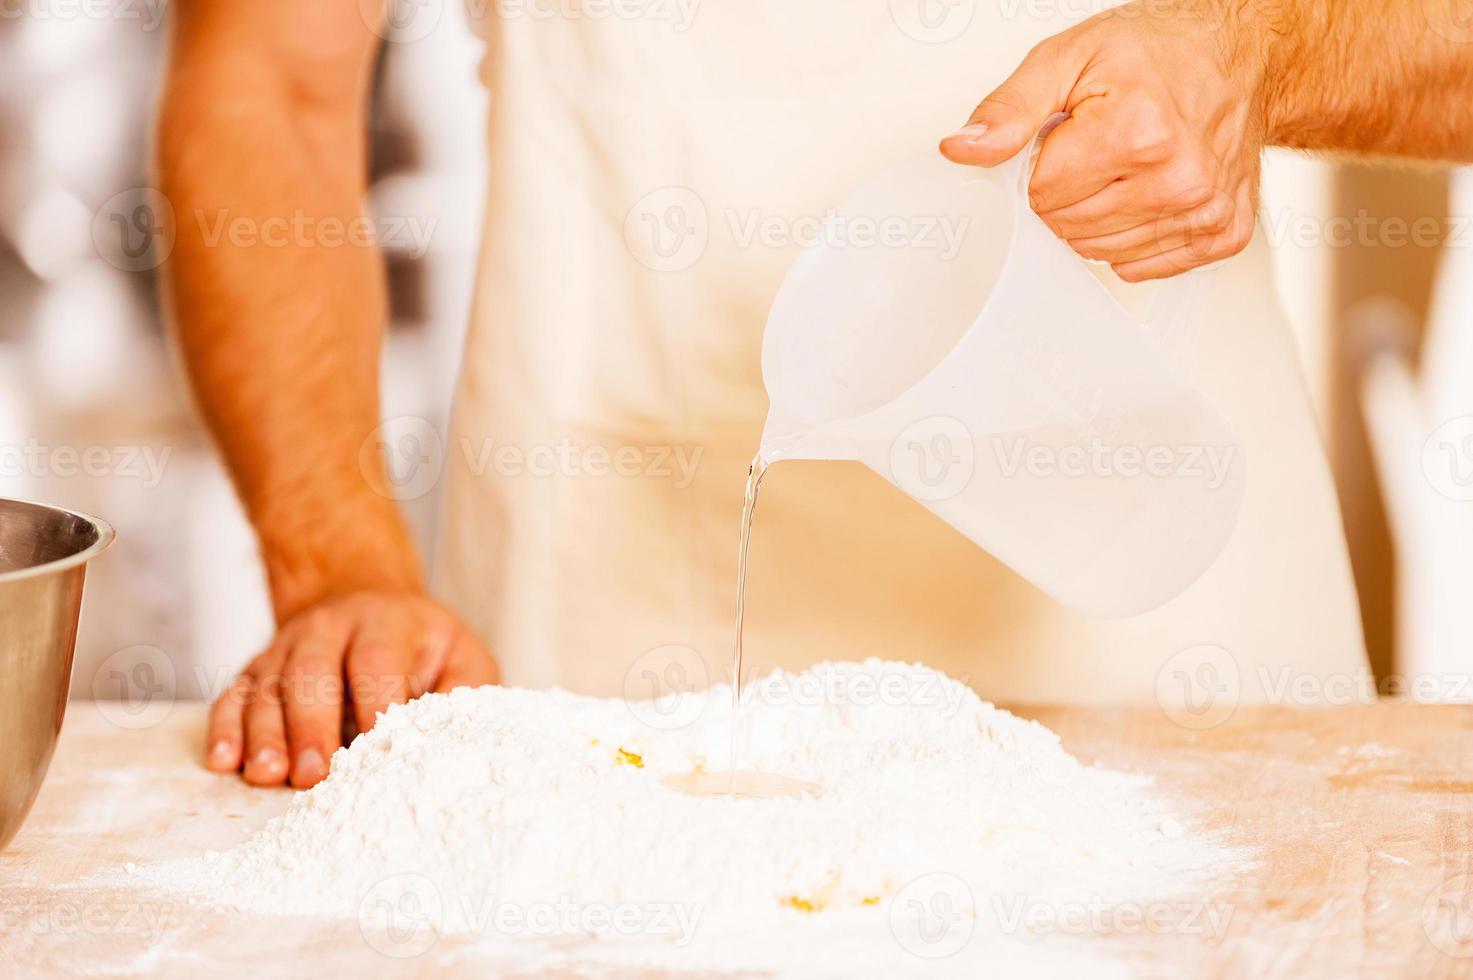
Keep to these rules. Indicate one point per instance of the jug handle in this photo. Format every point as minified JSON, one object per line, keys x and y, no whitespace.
{"x":1177,"y":308}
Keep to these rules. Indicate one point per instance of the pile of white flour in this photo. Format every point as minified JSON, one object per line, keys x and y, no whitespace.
{"x":946,"y":830}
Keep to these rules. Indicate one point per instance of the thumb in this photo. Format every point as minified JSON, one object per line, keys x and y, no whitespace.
{"x":1013,"y":114}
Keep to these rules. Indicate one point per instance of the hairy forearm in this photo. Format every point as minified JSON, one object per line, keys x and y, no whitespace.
{"x":280,"y":319}
{"x":1390,"y":77}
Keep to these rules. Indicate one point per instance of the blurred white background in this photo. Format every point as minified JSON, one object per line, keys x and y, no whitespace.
{"x":93,"y":414}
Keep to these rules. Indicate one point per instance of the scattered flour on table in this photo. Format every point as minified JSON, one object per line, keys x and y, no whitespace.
{"x":949,"y":834}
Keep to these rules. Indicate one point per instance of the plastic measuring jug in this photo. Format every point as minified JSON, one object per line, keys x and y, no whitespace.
{"x":938,"y":332}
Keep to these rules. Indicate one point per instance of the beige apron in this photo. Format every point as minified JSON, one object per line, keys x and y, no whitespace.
{"x":654,"y":165}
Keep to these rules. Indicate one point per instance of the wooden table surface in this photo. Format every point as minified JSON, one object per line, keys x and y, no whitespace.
{"x":1361,"y":818}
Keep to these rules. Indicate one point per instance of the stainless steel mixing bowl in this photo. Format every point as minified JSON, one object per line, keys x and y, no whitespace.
{"x":43,"y":559}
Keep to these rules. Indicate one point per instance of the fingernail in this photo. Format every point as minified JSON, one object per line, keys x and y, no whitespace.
{"x":221,"y":752}
{"x":309,"y":763}
{"x":268,"y":758}
{"x":970,"y":134}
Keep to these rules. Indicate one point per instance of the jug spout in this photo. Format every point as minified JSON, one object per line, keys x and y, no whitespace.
{"x":781,"y":442}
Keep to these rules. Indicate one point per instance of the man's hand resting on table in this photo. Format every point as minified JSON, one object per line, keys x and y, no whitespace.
{"x":264,"y":111}
{"x":282,"y":718}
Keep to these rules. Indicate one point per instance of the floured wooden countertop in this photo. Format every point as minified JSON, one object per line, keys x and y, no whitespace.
{"x":1361,"y":818}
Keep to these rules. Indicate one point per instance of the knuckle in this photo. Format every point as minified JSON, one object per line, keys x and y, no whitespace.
{"x":1214,"y":215}
{"x":358,"y":605}
{"x":317,"y":654}
{"x":1236,"y":243}
{"x":1214,"y":248}
{"x":1149,"y":138}
{"x":1192,"y":180}
{"x":313,"y":688}
{"x":1045,"y":52}
{"x":1044,"y":188}
{"x":238,"y":692}
{"x":1201,"y":248}
{"x":1199,"y":195}
{"x":1006,"y":97}
{"x":1218,"y":212}
{"x":370,"y":657}
{"x":269,"y":690}
{"x":375,"y":677}
{"x":323,"y":619}
{"x":261,"y":663}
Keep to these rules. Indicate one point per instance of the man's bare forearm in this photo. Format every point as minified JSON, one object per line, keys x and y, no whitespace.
{"x":1386,"y":77}
{"x":279,"y":315}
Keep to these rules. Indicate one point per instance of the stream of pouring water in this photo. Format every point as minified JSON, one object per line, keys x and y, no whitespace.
{"x":737,"y":781}
{"x":744,"y":544}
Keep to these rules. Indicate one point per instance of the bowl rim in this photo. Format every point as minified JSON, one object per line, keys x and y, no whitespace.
{"x":105,"y":537}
